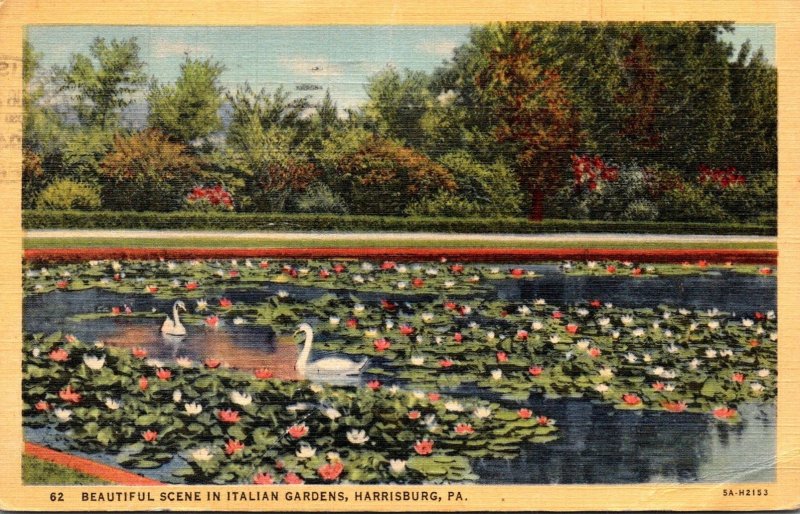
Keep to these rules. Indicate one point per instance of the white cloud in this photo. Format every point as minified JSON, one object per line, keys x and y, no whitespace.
{"x":311,"y":68}
{"x":163,"y":48}
{"x":442,"y":47}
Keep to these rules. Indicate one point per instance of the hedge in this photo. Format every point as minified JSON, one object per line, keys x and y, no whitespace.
{"x":183,"y":220}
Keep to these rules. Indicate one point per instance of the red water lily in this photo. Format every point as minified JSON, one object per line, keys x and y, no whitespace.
{"x":212,"y":321}
{"x":117,"y":277}
{"x":62,"y":284}
{"x":263,"y":373}
{"x":228,"y":416}
{"x":263,"y":264}
{"x":68,"y":395}
{"x":450,"y":305}
{"x":636,"y":271}
{"x":406,"y":330}
{"x":352,"y":323}
{"x":150,"y":436}
{"x":233,"y":273}
{"x":143,"y":383}
{"x":631,"y":399}
{"x":374,"y":385}
{"x":434,"y":397}
{"x":517,"y":272}
{"x":330,"y":471}
{"x":152,"y":289}
{"x":738,"y":377}
{"x":233,"y":446}
{"x":724,"y":413}
{"x":595,"y":352}
{"x":754,"y":343}
{"x":611,"y":268}
{"x":212,"y":363}
{"x":381,"y":344}
{"x":456,"y":269}
{"x":463,"y":429}
{"x":543,"y":421}
{"x":323,"y":273}
{"x":596,"y":304}
{"x":525,"y":413}
{"x":759,"y":316}
{"x":139,"y":353}
{"x":702,"y":263}
{"x":339,"y":268}
{"x":572,"y":328}
{"x":678,"y":406}
{"x":59,"y":355}
{"x":191,"y":286}
{"x":387,"y":265}
{"x":115,"y":311}
{"x":535,"y":370}
{"x":658,"y":386}
{"x":424,"y":447}
{"x":164,"y":374}
{"x":502,"y":357}
{"x":388,"y":305}
{"x":522,"y":335}
{"x":765,"y":271}
{"x":414,"y":415}
{"x":70,"y":338}
{"x":42,"y":405}
{"x":558,"y":314}
{"x":417,"y":282}
{"x":225,"y":303}
{"x":445,"y":363}
{"x":292,"y":478}
{"x":458,"y":337}
{"x":262,"y":479}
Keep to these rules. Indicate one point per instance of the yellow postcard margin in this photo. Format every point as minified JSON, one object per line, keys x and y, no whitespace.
{"x":784,"y":493}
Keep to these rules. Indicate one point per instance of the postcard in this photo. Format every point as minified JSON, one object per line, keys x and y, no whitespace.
{"x":399,"y":256}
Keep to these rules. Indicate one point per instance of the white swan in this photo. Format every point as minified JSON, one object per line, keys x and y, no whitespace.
{"x":174,"y":327}
{"x":326,"y":366}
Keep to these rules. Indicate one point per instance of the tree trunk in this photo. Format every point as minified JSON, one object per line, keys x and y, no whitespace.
{"x":537,"y":205}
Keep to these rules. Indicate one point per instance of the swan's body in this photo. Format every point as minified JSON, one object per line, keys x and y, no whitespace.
{"x":173,"y":326}
{"x":327,"y":366}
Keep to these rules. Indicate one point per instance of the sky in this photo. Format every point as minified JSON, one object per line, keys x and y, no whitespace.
{"x":339,"y":58}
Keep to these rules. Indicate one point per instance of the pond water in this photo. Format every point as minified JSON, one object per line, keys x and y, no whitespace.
{"x":597,"y":444}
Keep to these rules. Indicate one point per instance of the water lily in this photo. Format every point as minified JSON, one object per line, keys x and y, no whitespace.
{"x":163,"y":374}
{"x":678,"y":406}
{"x":331,"y":413}
{"x":228,"y":416}
{"x":454,"y":406}
{"x":694,"y":364}
{"x":713,"y":325}
{"x":63,"y":415}
{"x":615,"y":334}
{"x":711,"y":353}
{"x":726,"y":353}
{"x":374,"y":385}
{"x":330,"y":471}
{"x":233,"y":446}
{"x":631,"y":399}
{"x":757,"y":387}
{"x":143,"y":383}
{"x":93,"y":362}
{"x":298,"y":431}
{"x":554,"y":339}
{"x":724,"y":413}
{"x":417,"y":360}
{"x":155,"y":363}
{"x":358,"y":437}
{"x":192,"y":409}
{"x":282,"y":293}
{"x":463,"y":429}
{"x":638,"y":332}
{"x":59,"y":355}
{"x":603,"y":322}
{"x":397,"y":466}
{"x":424,"y":447}
{"x":305,"y":452}
{"x":522,"y":335}
{"x":414,"y":415}
{"x":601,"y":388}
{"x":631,"y":358}
{"x":68,"y":395}
{"x":535,"y":370}
{"x":763,"y":372}
{"x":426,"y":317}
{"x":482,"y":412}
{"x":177,"y":396}
{"x":212,"y":363}
{"x":139,"y":353}
{"x":242,"y":399}
{"x":42,"y":405}
{"x":150,"y":436}
{"x":184,"y":362}
{"x":627,"y":320}
{"x":381,"y":344}
{"x":497,"y":374}
{"x":358,"y":308}
{"x":292,"y":479}
{"x":747,"y":322}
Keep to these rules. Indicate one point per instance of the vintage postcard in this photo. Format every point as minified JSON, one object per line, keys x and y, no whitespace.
{"x":417,"y":256}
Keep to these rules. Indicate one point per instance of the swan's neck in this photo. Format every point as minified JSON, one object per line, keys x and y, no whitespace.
{"x":175,"y":315}
{"x":302,"y":360}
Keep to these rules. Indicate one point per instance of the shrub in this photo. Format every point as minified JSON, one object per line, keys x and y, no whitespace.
{"x":69,"y":194}
{"x":319,"y":198}
{"x":209,"y":199}
{"x":752,"y":200}
{"x":691,"y":203}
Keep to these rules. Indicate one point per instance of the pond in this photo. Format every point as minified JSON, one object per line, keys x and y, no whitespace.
{"x":599,"y":440}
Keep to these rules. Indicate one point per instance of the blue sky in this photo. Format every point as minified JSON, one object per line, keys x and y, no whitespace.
{"x":339,"y":58}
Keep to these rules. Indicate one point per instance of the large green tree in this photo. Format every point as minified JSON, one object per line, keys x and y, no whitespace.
{"x":103,"y":83}
{"x":397,"y":103}
{"x":188,"y":110}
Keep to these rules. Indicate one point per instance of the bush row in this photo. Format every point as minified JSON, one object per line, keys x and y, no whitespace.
{"x":182,"y":220}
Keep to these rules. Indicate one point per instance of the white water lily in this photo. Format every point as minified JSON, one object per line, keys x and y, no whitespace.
{"x":454,"y":406}
{"x":666,"y":315}
{"x":389,"y":324}
{"x":672,"y":349}
{"x":770,"y":315}
{"x":46,"y":273}
{"x":402,"y":268}
{"x":713,"y":312}
{"x":394,"y":389}
{"x":316,"y":388}
{"x":429,"y":420}
{"x":756,"y":387}
{"x":759,"y":330}
{"x":334,"y":320}
{"x":670,"y":374}
{"x":669,"y":387}
{"x":367,"y":266}
{"x":93,"y":362}
{"x":358,"y":308}
{"x":300,"y":406}
{"x":156,"y":363}
{"x":482,"y":412}
{"x":582,"y":312}
{"x":591,"y":264}
{"x":656,"y":326}
{"x":417,"y":360}
{"x":220,"y":273}
{"x":554,"y":339}
{"x":176,"y":283}
{"x":646,"y":357}
{"x":358,"y":279}
{"x":684,"y":312}
{"x":419,"y":339}
{"x":638,"y":332}
{"x":668,"y":333}
{"x":601,"y":388}
{"x":432,"y":272}
{"x":305,"y":452}
{"x":63,"y":415}
{"x":631,"y":357}
{"x":473,"y":325}
{"x":371,"y":333}
{"x":763,"y":372}
{"x":248,"y":264}
{"x":773,"y":336}
{"x":192,"y":409}
{"x":238,"y":320}
{"x":626,"y":320}
{"x":38,"y":287}
{"x":693,"y":327}
{"x":711,"y":353}
{"x":202,"y":305}
{"x":540,"y":301}
{"x":615,"y":334}
{"x":331,"y":413}
{"x":726,"y":353}
{"x":474,"y":279}
{"x":303,"y":271}
{"x":112,"y":404}
{"x":397,"y":466}
{"x":333,"y":456}
{"x":747,"y":322}
{"x":466,"y":309}
{"x":426,"y":317}
{"x":242,"y":399}
{"x":184,"y":362}
{"x":36,"y":352}
{"x":494,"y":270}
{"x":419,"y":395}
{"x":713,"y":325}
{"x":603,"y":322}
{"x":606,"y":372}
{"x":282,"y":293}
{"x":694,"y":363}
{"x":357,"y":436}
{"x":523,"y":310}
{"x":657,"y":371}
{"x":177,"y":395}
{"x":583,"y":344}
{"x":490,"y":335}
{"x":537,"y":325}
{"x":497,"y":374}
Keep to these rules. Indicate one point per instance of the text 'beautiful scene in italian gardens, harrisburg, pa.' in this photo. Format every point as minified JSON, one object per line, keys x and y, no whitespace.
{"x":507,"y":253}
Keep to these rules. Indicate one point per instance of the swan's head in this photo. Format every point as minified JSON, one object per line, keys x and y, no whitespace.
{"x":305,"y":328}
{"x":180,"y":305}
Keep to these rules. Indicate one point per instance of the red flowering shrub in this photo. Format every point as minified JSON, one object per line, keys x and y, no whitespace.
{"x":209,"y":198}
{"x":721,"y":177}
{"x":587,"y":171}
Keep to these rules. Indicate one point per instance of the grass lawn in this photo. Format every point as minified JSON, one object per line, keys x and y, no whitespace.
{"x":37,"y":471}
{"x":204,"y":242}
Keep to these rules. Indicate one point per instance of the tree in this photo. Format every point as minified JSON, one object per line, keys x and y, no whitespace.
{"x":189,"y":110}
{"x":102,"y":83}
{"x":147,"y":172}
{"x":531,"y":114}
{"x":397,"y":103}
{"x":383,"y":177}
